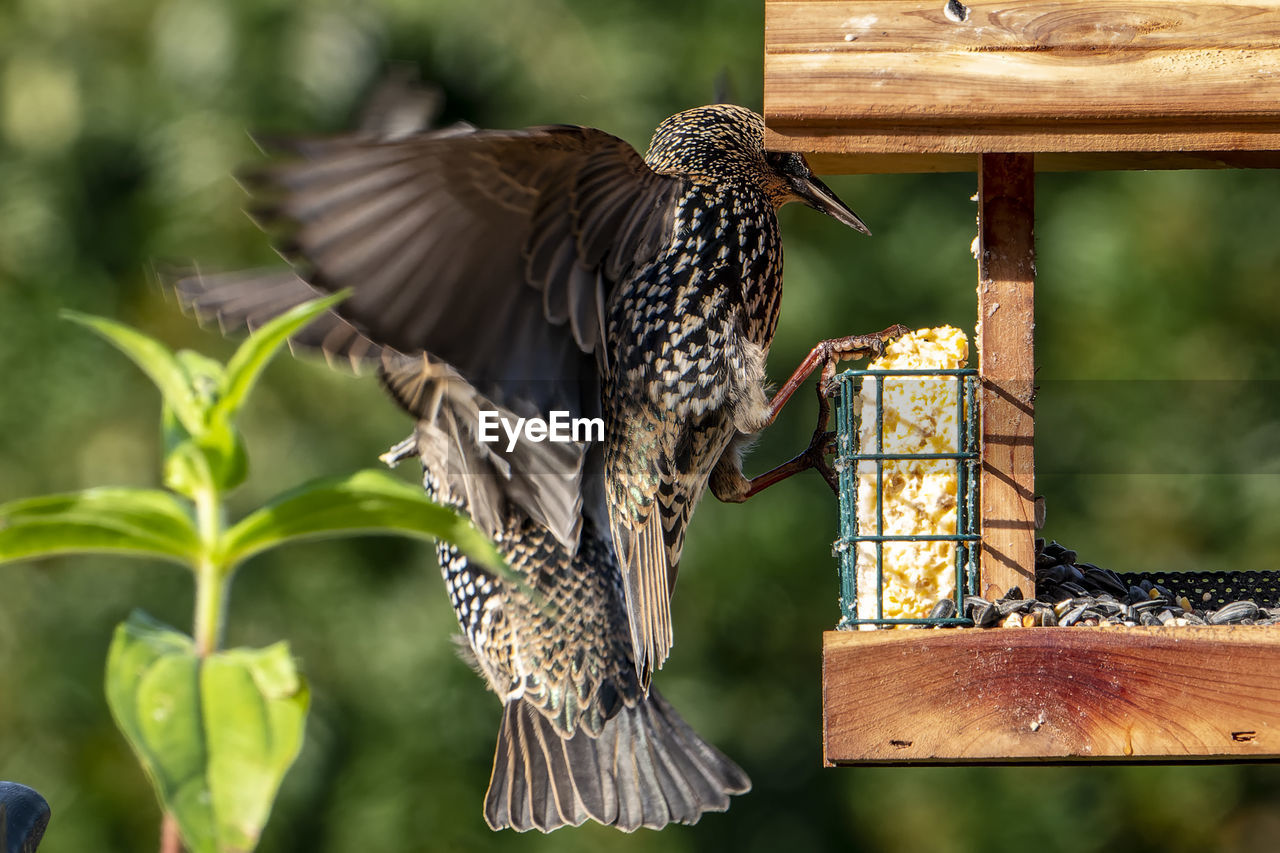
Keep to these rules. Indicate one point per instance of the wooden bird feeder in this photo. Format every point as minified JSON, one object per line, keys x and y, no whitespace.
{"x":1005,"y":89}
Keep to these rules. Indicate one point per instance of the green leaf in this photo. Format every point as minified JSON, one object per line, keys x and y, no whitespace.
{"x":213,"y":462}
{"x":156,"y":361}
{"x":258,"y":349}
{"x":225,"y":461}
{"x":186,"y":469}
{"x":364,"y":502}
{"x":216,"y":736}
{"x":146,"y":522}
{"x":206,"y":376}
{"x":228,"y":460}
{"x":255,"y":708}
{"x":153,"y":690}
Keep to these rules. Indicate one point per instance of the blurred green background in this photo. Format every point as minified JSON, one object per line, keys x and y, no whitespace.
{"x":119,"y":125}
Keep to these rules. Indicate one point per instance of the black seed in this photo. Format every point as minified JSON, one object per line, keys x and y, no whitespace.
{"x":1053,"y":574}
{"x":944,"y":609}
{"x":1105,"y":581}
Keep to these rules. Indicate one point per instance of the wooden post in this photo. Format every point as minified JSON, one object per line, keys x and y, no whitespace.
{"x":1006,"y":319}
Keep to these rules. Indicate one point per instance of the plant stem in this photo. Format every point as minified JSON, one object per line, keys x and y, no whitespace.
{"x":211,"y":597}
{"x":211,"y":577}
{"x":170,"y":839}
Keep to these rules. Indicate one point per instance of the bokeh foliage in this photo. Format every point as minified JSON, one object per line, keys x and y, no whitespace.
{"x":119,"y":125}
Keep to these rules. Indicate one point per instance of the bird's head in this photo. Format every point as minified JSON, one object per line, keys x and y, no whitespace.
{"x":793,"y":180}
{"x":725,"y":142}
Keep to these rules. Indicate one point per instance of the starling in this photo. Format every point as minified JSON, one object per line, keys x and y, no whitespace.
{"x":555,"y":269}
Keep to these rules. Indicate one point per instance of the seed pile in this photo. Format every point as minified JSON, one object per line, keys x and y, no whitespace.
{"x":1073,"y":593}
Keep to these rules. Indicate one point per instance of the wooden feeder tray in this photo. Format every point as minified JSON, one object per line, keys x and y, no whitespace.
{"x":1005,"y":89}
{"x":971,"y":695}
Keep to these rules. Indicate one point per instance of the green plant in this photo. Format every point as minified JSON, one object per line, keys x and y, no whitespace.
{"x":215,"y":730}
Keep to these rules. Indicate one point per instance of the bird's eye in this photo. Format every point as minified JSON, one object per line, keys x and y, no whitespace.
{"x":788,"y":163}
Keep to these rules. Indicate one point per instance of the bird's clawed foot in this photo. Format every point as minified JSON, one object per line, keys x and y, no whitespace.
{"x":831,"y":353}
{"x":728,"y":483}
{"x":822,"y":445}
{"x":852,"y":347}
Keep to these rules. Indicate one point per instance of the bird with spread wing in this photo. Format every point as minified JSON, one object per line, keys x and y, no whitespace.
{"x":554,"y":269}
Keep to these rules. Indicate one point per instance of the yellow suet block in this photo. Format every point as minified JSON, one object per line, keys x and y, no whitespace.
{"x":919,"y":496}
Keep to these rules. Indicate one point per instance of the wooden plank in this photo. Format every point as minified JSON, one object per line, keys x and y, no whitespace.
{"x":830,"y":151}
{"x":1081,"y":162}
{"x":1051,"y":695}
{"x":900,"y":77}
{"x":898,"y":164}
{"x":849,"y":26}
{"x":1006,"y":367}
{"x":1042,"y":87}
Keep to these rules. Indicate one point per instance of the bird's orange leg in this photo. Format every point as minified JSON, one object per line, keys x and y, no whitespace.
{"x":731,"y":486}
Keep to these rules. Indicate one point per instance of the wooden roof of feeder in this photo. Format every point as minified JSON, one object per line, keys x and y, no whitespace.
{"x":926,"y":86}
{"x":1005,"y":89}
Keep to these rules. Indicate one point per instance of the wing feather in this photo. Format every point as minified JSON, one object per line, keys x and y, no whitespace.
{"x":495,"y":252}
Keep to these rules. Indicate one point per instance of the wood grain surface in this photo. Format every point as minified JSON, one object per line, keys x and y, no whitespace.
{"x":852,"y":26}
{"x":851,"y":77}
{"x":1006,"y":368}
{"x":1013,"y":695}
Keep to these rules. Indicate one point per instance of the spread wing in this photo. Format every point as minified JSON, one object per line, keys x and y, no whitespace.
{"x":436,"y":233}
{"x":448,"y":406}
{"x":493,"y":251}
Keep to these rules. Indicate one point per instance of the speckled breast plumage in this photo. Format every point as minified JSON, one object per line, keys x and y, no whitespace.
{"x":558,"y":642}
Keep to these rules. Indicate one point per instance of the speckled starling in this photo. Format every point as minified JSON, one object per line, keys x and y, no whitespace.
{"x":555,"y":269}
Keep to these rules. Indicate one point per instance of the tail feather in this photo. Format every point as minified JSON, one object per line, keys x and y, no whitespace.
{"x":648,"y":584}
{"x":647,"y":768}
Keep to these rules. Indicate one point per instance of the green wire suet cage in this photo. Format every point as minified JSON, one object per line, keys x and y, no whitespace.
{"x":854,"y":461}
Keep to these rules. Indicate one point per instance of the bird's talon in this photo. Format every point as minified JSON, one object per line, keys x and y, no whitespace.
{"x":828,"y":473}
{"x":852,"y":348}
{"x":888,"y":336}
{"x":828,"y":443}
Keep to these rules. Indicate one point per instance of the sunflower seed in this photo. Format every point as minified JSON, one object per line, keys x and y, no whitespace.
{"x":944,"y":609}
{"x":1236,"y":611}
{"x":1017,"y":605}
{"x":1073,"y":615}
